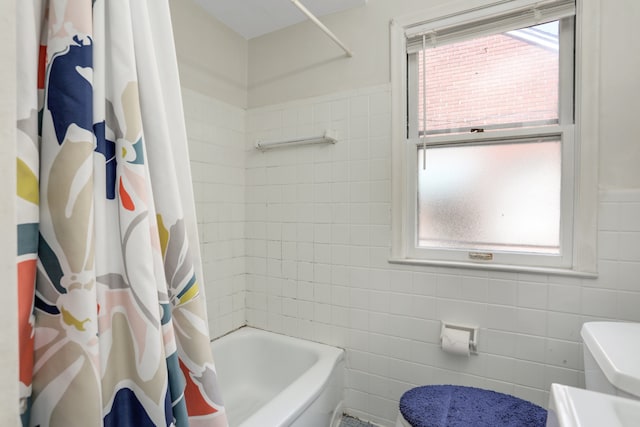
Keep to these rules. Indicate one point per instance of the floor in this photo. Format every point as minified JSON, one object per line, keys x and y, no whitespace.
{"x":348,"y":421}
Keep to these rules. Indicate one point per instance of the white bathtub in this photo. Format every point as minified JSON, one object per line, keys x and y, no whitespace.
{"x":271,"y":380}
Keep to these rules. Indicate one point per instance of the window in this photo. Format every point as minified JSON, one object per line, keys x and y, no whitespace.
{"x":489,"y":152}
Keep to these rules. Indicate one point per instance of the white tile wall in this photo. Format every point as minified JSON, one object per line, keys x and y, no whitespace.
{"x":296,"y":240}
{"x":216,"y":133}
{"x":317,"y":236}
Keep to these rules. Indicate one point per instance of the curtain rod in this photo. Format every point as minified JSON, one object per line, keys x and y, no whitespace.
{"x":323,"y":27}
{"x":326,"y":138}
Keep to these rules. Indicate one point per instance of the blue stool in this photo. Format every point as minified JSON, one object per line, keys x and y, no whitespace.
{"x":458,"y":406}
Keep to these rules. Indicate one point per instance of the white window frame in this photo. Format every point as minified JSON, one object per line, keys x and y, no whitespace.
{"x":580,"y":148}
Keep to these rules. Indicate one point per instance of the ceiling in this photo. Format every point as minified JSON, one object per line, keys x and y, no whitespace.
{"x":254,"y":18}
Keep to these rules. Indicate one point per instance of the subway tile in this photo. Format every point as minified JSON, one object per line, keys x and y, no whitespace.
{"x":564,"y":298}
{"x":423,"y":283}
{"x":339,"y":171}
{"x":340,"y":194}
{"x":322,"y":253}
{"x":290,"y":288}
{"x":533,"y":395}
{"x":400,"y":281}
{"x":503,"y":292}
{"x":359,"y":235}
{"x":380,"y":103}
{"x":274,"y":304}
{"x":629,"y":217}
{"x":380,"y":169}
{"x":474,"y":288}
{"x":322,"y":313}
{"x":359,"y":130}
{"x":383,"y":408}
{"x":423,"y":307}
{"x":358,"y":340}
{"x":379,"y":302}
{"x":359,"y":213}
{"x":532,"y":295}
{"x":629,"y":276}
{"x":380,"y":235}
{"x":378,"y":342}
{"x":305,"y":193}
{"x":322,"y":274}
{"x":305,"y":313}
{"x":340,"y":151}
{"x":322,"y":193}
{"x":322,"y":213}
{"x":359,"y":192}
{"x":442,"y":376}
{"x":339,"y":315}
{"x":501,"y":318}
{"x":629,"y":306}
{"x":380,"y":126}
{"x":380,"y":280}
{"x":449,"y":286}
{"x":629,"y":244}
{"x":599,"y":302}
{"x":305,"y":271}
{"x":496,"y":342}
{"x":531,"y":348}
{"x":359,"y":106}
{"x":323,"y":172}
{"x":305,"y":232}
{"x":608,"y":216}
{"x":340,"y":258}
{"x":456,"y":311}
{"x":399,"y":348}
{"x":400,"y":303}
{"x":561,"y":375}
{"x":340,"y":213}
{"x":380,"y":191}
{"x":500,"y":368}
{"x":533,"y":322}
{"x":609,"y":245}
{"x":305,"y":291}
{"x":359,"y":143}
{"x":379,"y":323}
{"x":565,"y":354}
{"x":608,"y":276}
{"x":289,"y":193}
{"x":359,"y":170}
{"x":305,"y":252}
{"x":564,"y":326}
{"x":379,"y":257}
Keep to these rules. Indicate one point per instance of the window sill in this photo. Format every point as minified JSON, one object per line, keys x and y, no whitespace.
{"x":496,"y":267}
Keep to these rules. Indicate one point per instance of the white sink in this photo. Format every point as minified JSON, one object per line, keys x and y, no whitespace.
{"x":576,"y":407}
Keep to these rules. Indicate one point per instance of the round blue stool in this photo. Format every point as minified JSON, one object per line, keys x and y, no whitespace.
{"x":459,"y":406}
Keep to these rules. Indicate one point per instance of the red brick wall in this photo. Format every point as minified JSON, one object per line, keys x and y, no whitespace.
{"x":494,"y":79}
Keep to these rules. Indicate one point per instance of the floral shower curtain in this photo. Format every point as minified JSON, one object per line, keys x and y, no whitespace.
{"x":113,"y":327}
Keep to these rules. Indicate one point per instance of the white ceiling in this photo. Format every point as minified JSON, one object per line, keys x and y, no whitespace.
{"x":253,"y":18}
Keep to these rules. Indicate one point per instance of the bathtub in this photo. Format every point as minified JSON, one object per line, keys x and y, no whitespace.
{"x":271,"y":380}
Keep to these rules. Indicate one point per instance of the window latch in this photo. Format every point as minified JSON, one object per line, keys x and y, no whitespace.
{"x":481,"y":256}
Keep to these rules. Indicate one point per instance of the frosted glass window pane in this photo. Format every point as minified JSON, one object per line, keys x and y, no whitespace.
{"x":499,"y":197}
{"x":500,"y":81}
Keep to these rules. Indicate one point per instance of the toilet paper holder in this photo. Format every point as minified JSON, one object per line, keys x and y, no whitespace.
{"x":473,"y":334}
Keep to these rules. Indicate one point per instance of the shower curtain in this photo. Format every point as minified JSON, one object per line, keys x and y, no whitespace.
{"x":112,"y":317}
